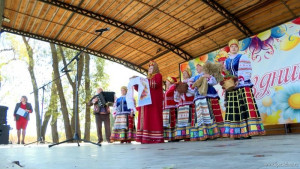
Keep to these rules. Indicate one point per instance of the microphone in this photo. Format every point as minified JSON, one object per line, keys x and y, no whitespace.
{"x":67,"y":71}
{"x":102,"y":30}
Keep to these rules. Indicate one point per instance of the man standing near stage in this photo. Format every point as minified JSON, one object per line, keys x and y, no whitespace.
{"x":102,"y":114}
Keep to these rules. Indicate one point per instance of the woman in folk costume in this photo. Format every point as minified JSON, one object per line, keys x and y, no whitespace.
{"x":242,"y":119}
{"x":169,"y":113}
{"x":186,"y":108}
{"x":206,"y":104}
{"x":124,"y":128}
{"x":150,"y":119}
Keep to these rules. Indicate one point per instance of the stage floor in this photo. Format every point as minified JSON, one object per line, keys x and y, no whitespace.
{"x":281,"y":151}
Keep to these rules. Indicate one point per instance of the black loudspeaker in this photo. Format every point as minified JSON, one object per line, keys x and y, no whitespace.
{"x":3,"y":114}
{"x":4,"y":134}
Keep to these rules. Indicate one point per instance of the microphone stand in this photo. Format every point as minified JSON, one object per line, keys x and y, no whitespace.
{"x":41,"y":139}
{"x":76,"y":136}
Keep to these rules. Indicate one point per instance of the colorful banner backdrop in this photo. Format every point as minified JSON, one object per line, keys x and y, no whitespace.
{"x":275,"y":59}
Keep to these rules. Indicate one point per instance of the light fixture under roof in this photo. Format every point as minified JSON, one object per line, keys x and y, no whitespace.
{"x":5,"y":19}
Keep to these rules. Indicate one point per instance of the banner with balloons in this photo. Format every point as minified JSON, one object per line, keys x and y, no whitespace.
{"x":275,"y":60}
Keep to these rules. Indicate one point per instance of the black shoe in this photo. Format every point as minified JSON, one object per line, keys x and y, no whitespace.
{"x":237,"y":138}
{"x":248,"y":137}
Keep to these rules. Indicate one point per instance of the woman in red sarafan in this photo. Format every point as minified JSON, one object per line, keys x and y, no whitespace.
{"x":150,"y":119}
{"x":22,"y":121}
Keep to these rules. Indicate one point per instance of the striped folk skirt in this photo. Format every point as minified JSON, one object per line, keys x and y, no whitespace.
{"x":205,"y":126}
{"x":242,"y":118}
{"x":214,"y":106}
{"x":169,"y":122}
{"x":185,"y":119}
{"x":124,"y":129}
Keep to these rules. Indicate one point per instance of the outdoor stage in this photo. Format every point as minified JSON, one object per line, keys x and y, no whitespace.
{"x":281,"y":151}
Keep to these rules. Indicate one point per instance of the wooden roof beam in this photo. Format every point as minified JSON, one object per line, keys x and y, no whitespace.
{"x":145,"y":15}
{"x":75,"y":47}
{"x":188,"y":40}
{"x":239,"y":13}
{"x":183,"y":54}
{"x":234,"y":20}
{"x":66,"y":23}
{"x":288,"y":8}
{"x":1,"y":12}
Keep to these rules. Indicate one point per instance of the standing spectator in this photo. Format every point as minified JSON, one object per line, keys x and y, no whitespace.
{"x":22,"y":120}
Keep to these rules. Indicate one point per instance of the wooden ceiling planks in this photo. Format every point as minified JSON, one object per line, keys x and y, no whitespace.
{"x":73,"y":2}
{"x":293,"y":5}
{"x":258,"y":21}
{"x":172,"y":26}
{"x":235,"y":6}
{"x":172,"y":21}
{"x":17,"y":19}
{"x":29,"y":11}
{"x":228,"y":28}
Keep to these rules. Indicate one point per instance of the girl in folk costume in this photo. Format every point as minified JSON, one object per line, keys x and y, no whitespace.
{"x":124,"y":128}
{"x":242,"y":119}
{"x":150,"y":120}
{"x":207,"y":107}
{"x":186,"y":107}
{"x":169,"y":113}
{"x":220,"y":58}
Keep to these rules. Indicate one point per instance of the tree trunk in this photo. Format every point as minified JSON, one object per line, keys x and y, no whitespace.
{"x":73,"y":85}
{"x":87,"y":124}
{"x":54,"y":131}
{"x":51,"y":109}
{"x":34,"y":86}
{"x":54,"y":112}
{"x":62,"y":99}
{"x":45,"y":122}
{"x":55,"y":138}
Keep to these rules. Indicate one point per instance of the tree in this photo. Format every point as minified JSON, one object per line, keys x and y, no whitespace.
{"x":87,"y":125}
{"x":62,"y":99}
{"x":52,"y":112}
{"x":30,"y":62}
{"x":72,"y":53}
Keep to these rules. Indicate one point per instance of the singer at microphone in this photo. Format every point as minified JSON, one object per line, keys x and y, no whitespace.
{"x":102,"y":30}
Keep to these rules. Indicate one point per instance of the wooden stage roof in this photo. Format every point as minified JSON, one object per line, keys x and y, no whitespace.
{"x":167,"y":31}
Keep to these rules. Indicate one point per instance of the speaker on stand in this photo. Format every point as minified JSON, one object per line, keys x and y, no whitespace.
{"x":4,"y":128}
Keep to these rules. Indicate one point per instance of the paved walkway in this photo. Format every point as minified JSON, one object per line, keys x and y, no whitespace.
{"x":264,"y":152}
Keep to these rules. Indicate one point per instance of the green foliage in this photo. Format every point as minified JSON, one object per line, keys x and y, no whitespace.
{"x":18,"y":46}
{"x":99,"y":78}
{"x":42,"y":52}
